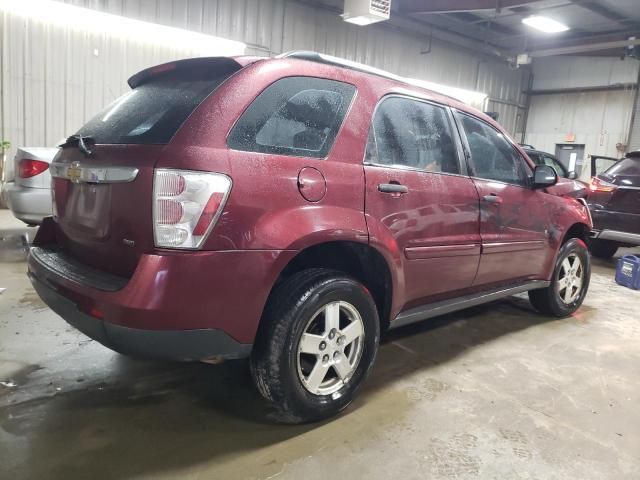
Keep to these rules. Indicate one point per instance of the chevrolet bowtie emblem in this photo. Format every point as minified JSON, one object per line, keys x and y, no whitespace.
{"x":74,"y":171}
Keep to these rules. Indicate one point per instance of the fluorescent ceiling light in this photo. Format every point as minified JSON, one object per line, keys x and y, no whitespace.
{"x":545,"y":24}
{"x":361,"y":20}
{"x":68,"y":16}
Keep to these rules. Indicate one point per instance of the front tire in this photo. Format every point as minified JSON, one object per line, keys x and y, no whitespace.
{"x":318,"y":339}
{"x":569,"y":284}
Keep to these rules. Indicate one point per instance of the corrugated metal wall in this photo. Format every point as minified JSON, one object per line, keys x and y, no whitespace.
{"x":599,"y":120}
{"x":52,"y":82}
{"x":580,"y":72}
{"x":54,"y":79}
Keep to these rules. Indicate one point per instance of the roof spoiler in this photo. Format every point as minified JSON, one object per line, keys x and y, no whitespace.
{"x":220,"y":64}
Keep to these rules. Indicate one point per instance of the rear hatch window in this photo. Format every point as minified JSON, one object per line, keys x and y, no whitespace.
{"x":628,"y":168}
{"x":154,"y":110}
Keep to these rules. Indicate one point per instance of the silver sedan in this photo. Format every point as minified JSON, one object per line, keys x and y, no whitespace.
{"x":29,"y":195}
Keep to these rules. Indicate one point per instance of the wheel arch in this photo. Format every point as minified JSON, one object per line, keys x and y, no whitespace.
{"x":577,"y":230}
{"x":358,"y":260}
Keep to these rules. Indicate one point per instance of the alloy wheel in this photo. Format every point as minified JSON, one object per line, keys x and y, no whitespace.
{"x":570,"y":279}
{"x":330,"y":348}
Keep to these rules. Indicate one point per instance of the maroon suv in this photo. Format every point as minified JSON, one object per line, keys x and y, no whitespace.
{"x":290,"y":210}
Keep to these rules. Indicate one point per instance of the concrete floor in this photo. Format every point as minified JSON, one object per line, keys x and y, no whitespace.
{"x":497,"y":392}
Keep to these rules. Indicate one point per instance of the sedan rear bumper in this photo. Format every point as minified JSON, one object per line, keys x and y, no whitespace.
{"x":29,"y":204}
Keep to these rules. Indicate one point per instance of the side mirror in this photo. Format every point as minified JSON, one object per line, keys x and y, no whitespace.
{"x":572,"y":175}
{"x":544,"y":176}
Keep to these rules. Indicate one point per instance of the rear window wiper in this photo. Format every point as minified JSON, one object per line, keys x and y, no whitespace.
{"x":80,"y":142}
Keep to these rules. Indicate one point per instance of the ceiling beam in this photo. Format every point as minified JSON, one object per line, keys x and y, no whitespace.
{"x":588,"y":47}
{"x":448,"y":6}
{"x":605,"y":12}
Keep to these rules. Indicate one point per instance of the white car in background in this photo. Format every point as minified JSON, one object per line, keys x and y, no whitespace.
{"x":29,"y":195}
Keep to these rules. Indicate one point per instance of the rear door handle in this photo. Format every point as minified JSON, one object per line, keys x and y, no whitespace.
{"x":492,"y":198}
{"x":392,"y":188}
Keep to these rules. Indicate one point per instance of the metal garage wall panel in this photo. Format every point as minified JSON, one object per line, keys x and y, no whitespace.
{"x":579,"y":72}
{"x":280,"y":25}
{"x":56,"y":79}
{"x":13,"y":79}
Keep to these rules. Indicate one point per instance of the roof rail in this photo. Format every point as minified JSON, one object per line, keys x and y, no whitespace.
{"x":340,"y":62}
{"x":475,"y":99}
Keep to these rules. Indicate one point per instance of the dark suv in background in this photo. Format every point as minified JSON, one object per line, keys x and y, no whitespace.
{"x":614,"y":202}
{"x":290,"y":210}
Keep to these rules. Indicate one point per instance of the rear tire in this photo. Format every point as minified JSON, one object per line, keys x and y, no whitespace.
{"x":569,"y":283}
{"x":602,"y":248}
{"x":317,"y":342}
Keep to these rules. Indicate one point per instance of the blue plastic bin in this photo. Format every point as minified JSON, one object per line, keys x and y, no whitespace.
{"x":628,"y":271}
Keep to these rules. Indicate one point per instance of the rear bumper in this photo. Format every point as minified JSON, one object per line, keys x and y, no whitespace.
{"x":29,"y":204}
{"x":181,"y":345}
{"x":178,"y":305}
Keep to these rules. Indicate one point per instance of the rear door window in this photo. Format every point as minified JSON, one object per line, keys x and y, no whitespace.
{"x":297,"y":116}
{"x":154,"y":111}
{"x":414,"y":134}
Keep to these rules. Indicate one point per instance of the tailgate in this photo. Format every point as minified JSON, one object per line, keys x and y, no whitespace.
{"x":103,"y":204}
{"x":103,"y":177}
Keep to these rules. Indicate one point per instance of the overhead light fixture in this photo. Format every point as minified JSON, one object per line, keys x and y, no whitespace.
{"x":366,"y":12}
{"x":545,"y":24}
{"x":361,"y":20}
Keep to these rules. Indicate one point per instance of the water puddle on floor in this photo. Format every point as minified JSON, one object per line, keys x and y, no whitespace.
{"x":30,"y":299}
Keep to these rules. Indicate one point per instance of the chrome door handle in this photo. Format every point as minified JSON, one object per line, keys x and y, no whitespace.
{"x":493,"y":198}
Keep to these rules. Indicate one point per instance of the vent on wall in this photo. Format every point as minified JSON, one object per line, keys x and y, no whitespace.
{"x":381,"y":6}
{"x":366,"y":12}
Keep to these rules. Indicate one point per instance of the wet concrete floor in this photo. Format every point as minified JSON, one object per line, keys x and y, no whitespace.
{"x":496,"y":392}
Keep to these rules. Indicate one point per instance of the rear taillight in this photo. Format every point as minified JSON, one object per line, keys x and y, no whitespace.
{"x":598,"y":185}
{"x":186,"y":206}
{"x":28,"y":168}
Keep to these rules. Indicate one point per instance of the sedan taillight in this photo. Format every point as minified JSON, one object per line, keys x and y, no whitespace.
{"x":28,"y":168}
{"x":186,"y":206}
{"x":598,"y":185}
